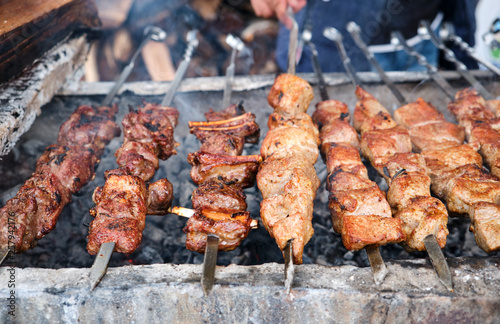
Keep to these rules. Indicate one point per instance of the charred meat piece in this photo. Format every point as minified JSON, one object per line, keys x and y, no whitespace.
{"x":153,"y":124}
{"x":231,"y":228}
{"x":290,"y":95}
{"x":139,"y":159}
{"x":219,"y":194}
{"x":243,"y":126}
{"x":485,"y":223}
{"x":240,"y":169}
{"x":369,"y":114}
{"x":160,"y":197}
{"x":223,"y":144}
{"x":120,"y":214}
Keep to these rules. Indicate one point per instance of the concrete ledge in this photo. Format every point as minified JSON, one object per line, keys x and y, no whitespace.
{"x":169,"y":293}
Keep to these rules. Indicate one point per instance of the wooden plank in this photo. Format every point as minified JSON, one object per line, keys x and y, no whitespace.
{"x":30,"y":28}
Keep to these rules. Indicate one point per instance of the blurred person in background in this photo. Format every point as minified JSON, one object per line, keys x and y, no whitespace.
{"x":377,"y":19}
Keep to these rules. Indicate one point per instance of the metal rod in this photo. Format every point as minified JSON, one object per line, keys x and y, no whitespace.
{"x":237,"y":45}
{"x":438,"y":261}
{"x":334,"y":35}
{"x":355,"y":32}
{"x":100,"y":265}
{"x":181,"y":70}
{"x":450,"y":56}
{"x":449,"y":33}
{"x":431,"y":70}
{"x":376,"y":263}
{"x":292,"y":46}
{"x":289,"y":266}
{"x":306,"y":38}
{"x":209,"y":263}
{"x":150,"y":33}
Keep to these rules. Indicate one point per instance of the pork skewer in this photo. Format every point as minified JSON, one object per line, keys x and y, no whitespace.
{"x":369,"y":118}
{"x":149,"y":136}
{"x":458,"y":177}
{"x":334,"y":110}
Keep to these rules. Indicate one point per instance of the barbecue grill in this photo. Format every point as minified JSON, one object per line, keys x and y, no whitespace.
{"x":160,"y":280}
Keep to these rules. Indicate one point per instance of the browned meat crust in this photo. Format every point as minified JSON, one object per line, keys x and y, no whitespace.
{"x":62,"y":170}
{"x":290,"y":95}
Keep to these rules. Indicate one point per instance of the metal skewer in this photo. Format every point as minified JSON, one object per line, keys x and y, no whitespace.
{"x":4,"y":253}
{"x":237,"y":45}
{"x":181,"y":70}
{"x":150,"y":33}
{"x":355,"y":32}
{"x":292,"y":55}
{"x":450,"y":56}
{"x":398,"y":39}
{"x":373,"y":251}
{"x":448,"y":33}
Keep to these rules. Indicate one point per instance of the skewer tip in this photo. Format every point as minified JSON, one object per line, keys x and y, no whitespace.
{"x":209,"y":263}
{"x":438,"y":261}
{"x":289,"y":266}
{"x":100,"y":266}
{"x":376,"y":263}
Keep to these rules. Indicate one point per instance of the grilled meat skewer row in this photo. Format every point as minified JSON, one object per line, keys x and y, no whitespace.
{"x":480,"y":125}
{"x":359,"y":209}
{"x":287,"y":178}
{"x":222,"y":174}
{"x":126,"y":198}
{"x":62,"y":170}
{"x":456,"y":170}
{"x":388,"y":147}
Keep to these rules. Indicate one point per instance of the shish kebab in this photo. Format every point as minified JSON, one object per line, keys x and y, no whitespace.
{"x":62,"y":170}
{"x":125,"y":199}
{"x":348,"y":181}
{"x":455,"y":168}
{"x":287,"y":178}
{"x":221,"y":221}
{"x":388,"y":147}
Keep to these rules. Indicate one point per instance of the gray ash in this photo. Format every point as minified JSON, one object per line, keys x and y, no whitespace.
{"x":163,"y":238}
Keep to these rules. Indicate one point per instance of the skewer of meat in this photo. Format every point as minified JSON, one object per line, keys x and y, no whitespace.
{"x":458,"y":177}
{"x":388,"y":147}
{"x":62,"y":170}
{"x":287,"y":178}
{"x":126,"y":198}
{"x":340,"y":150}
{"x":221,"y":221}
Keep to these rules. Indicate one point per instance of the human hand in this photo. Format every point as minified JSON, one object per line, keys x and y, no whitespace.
{"x":277,"y":8}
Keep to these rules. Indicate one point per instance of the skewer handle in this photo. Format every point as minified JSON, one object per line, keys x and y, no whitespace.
{"x":292,"y":46}
{"x":150,"y":33}
{"x":355,"y":32}
{"x":431,"y":70}
{"x":181,"y":70}
{"x":450,"y":56}
{"x":335,"y":36}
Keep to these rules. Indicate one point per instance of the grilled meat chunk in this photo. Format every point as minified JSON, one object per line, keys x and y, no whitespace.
{"x":160,"y":197}
{"x":139,"y":159}
{"x":120,"y":214}
{"x":485,"y":223}
{"x":219,"y":194}
{"x":231,"y":228}
{"x":223,"y":144}
{"x":243,"y":126}
{"x":240,"y":169}
{"x":369,"y":114}
{"x":290,"y":95}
